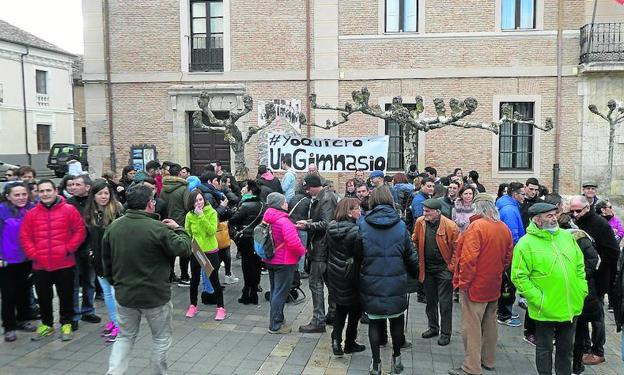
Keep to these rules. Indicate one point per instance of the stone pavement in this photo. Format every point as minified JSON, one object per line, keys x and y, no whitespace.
{"x":241,"y":345}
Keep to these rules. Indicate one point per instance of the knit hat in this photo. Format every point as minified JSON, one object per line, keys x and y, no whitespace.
{"x":312,"y":180}
{"x":433,"y":204}
{"x":276,"y":200}
{"x":484,"y":197}
{"x":376,"y":173}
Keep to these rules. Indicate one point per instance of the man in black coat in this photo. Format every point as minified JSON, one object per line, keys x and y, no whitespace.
{"x":531,"y":196}
{"x":322,"y":207}
{"x":599,"y":229}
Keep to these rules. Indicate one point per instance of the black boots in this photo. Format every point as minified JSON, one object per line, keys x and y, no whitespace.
{"x":337,"y":348}
{"x":245,"y":300}
{"x":253,"y":297}
{"x":353,"y":347}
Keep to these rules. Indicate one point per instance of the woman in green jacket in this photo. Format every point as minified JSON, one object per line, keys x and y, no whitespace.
{"x":201,"y":224}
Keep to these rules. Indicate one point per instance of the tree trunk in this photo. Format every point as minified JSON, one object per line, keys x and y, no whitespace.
{"x":410,"y":147}
{"x":609,"y":174}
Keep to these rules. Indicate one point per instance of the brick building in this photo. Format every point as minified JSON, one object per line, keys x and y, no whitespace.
{"x":159,"y":55}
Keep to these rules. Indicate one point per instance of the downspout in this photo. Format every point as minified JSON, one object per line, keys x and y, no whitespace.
{"x":109,"y":89}
{"x":556,"y":168}
{"x":308,"y":68}
{"x":24,"y":105}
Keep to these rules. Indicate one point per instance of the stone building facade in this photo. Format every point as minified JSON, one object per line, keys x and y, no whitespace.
{"x":164,"y":53}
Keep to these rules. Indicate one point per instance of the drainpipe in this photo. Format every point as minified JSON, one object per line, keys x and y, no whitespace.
{"x":109,"y":89}
{"x":308,"y":67}
{"x":556,"y":169}
{"x":24,"y":104}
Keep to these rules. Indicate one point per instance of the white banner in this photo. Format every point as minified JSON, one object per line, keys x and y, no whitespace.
{"x":329,"y":154}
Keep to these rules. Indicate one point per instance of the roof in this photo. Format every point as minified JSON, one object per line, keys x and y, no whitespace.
{"x":16,"y":35}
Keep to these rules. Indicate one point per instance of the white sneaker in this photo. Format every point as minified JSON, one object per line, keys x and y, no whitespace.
{"x":230,"y":279}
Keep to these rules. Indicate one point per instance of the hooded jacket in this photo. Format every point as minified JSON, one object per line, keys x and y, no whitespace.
{"x":10,"y":222}
{"x":51,"y":235}
{"x":548,"y":269}
{"x":446,"y":239}
{"x":483,"y":252}
{"x":343,"y":241}
{"x":175,"y":193}
{"x":509,"y":210}
{"x":271,"y":182}
{"x":286,"y":241}
{"x":386,"y":259}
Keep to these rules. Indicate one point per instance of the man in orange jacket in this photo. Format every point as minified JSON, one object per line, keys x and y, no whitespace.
{"x":434,"y":238}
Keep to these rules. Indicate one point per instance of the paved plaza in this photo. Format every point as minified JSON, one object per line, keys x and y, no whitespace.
{"x":241,"y":345}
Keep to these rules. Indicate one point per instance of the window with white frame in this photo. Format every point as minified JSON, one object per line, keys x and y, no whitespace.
{"x":518,"y":14}
{"x":401,"y":16}
{"x":41,"y":77}
{"x":206,"y":35}
{"x":516,"y":140}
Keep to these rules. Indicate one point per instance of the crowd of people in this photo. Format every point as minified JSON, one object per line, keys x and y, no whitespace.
{"x":443,"y":238}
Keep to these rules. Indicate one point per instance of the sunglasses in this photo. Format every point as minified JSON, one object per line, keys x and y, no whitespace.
{"x":579,"y":211}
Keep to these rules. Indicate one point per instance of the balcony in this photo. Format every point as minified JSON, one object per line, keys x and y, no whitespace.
{"x":602,"y":43}
{"x":43,"y":100}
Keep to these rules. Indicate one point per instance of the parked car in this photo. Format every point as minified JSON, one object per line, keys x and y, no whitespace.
{"x":60,"y":153}
{"x":3,"y":168}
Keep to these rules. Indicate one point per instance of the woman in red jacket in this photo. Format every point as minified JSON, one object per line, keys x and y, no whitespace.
{"x":50,"y":234}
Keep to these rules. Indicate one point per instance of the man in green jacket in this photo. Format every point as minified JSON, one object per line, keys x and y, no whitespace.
{"x":136,"y":251}
{"x":548,"y":270}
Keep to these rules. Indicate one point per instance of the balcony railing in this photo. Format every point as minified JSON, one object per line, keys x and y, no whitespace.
{"x":602,"y":42}
{"x":43,"y":100}
{"x":206,"y":53}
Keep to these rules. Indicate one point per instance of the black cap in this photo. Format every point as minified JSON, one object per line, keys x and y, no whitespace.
{"x":433,"y":204}
{"x":312,"y":180}
{"x":540,"y":208}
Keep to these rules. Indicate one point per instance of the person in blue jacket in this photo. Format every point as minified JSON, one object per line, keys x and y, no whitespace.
{"x":509,"y":209}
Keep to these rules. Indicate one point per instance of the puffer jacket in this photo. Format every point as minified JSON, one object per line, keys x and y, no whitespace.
{"x":509,"y":210}
{"x":483,"y":252}
{"x":549,"y":271}
{"x":51,"y":235}
{"x":288,"y":247}
{"x":175,"y":193}
{"x":11,"y":219}
{"x":387,"y":257}
{"x":322,"y":209}
{"x":247,"y":217}
{"x":617,"y":227}
{"x":342,"y":274}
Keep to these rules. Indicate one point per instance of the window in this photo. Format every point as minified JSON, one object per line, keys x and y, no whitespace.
{"x":516,"y":140}
{"x":43,"y":138}
{"x":401,"y":16}
{"x":517,"y":14}
{"x":396,"y":142}
{"x":42,"y":84}
{"x":206,"y":35}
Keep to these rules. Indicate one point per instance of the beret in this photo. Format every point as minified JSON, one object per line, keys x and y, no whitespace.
{"x":433,"y":204}
{"x":540,"y":208}
{"x":589,"y":184}
{"x":377,"y":173}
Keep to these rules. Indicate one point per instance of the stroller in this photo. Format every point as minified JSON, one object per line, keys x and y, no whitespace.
{"x":296,"y":294}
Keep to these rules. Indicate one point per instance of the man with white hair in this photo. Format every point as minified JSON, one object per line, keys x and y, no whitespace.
{"x":486,"y":246}
{"x":548,"y":264}
{"x":599,"y":229}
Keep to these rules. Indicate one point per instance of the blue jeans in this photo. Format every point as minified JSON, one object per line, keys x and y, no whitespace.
{"x":85,"y":279}
{"x":160,"y":320}
{"x":281,"y":279}
{"x":303,"y":235}
{"x":109,"y":299}
{"x":205,"y":281}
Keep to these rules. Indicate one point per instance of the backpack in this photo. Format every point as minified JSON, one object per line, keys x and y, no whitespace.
{"x":263,"y":240}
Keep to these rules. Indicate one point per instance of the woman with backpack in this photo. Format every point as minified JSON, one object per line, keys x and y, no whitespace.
{"x":201,"y":225}
{"x":283,"y":264}
{"x":102,"y":209}
{"x":243,"y":222}
{"x":387,"y":256}
{"x":15,"y":267}
{"x":342,"y":274}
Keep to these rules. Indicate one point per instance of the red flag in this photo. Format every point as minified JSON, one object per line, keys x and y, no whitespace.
{"x":620,"y":1}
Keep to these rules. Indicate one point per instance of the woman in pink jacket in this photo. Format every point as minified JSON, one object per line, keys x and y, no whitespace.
{"x":282,"y":267}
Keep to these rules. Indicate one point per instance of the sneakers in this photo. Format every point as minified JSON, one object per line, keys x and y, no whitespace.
{"x":183,"y":282}
{"x":397,"y":366}
{"x":522,"y":303}
{"x":312,"y":328}
{"x":231,"y":279}
{"x":42,"y":332}
{"x":108,"y":329}
{"x":375,"y":368}
{"x":66,"y":332}
{"x":283,"y":330}
{"x":112,"y":336}
{"x":592,"y":359}
{"x":26,"y":327}
{"x":220,"y":315}
{"x":10,"y":336}
{"x":444,"y":340}
{"x":264,"y":272}
{"x":74,"y":325}
{"x":515,"y":315}
{"x":529,"y":339}
{"x":191,"y":312}
{"x":511,"y":322}
{"x":91,"y":318}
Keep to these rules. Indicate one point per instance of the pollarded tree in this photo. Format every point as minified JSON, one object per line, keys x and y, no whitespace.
{"x":413,"y":121}
{"x":614,"y":116}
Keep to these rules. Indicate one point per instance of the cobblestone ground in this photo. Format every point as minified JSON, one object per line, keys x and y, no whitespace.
{"x":241,"y":345}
